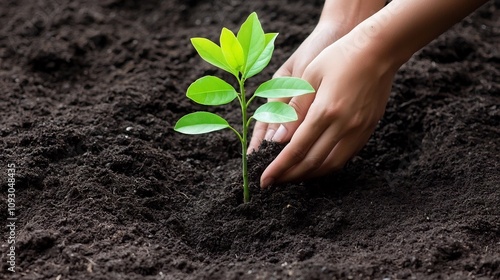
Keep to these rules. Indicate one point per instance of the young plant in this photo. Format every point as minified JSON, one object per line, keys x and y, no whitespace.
{"x":243,"y":55}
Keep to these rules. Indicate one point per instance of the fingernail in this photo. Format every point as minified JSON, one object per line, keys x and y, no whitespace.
{"x":269,"y":134}
{"x":266,"y":183}
{"x":280,"y":134}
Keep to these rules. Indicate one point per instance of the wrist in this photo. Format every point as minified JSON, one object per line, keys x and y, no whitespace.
{"x":362,"y":48}
{"x":379,"y":43}
{"x":401,"y":28}
{"x":343,"y":15}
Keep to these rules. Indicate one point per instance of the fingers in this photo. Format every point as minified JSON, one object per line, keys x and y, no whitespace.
{"x":263,"y":131}
{"x":288,"y":69}
{"x":284,"y":132}
{"x":337,"y":121}
{"x":309,"y":128}
{"x":313,"y":160}
{"x":259,"y":131}
{"x":330,"y":152}
{"x":345,"y":150}
{"x":271,"y":130}
{"x":299,"y":146}
{"x":327,"y":138}
{"x":301,"y":104}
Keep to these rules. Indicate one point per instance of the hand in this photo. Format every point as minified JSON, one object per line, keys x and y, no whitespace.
{"x":353,"y":78}
{"x":353,"y":86}
{"x":322,"y":36}
{"x":337,"y":19}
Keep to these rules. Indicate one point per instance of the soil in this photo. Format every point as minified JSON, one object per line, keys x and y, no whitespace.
{"x":105,"y":189}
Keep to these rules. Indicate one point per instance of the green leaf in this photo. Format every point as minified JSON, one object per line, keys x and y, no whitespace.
{"x":211,"y":53}
{"x":252,"y":40}
{"x":231,"y":49}
{"x":200,"y":122}
{"x":275,"y":112}
{"x":283,"y":87}
{"x":210,"y":90}
{"x":264,"y":57}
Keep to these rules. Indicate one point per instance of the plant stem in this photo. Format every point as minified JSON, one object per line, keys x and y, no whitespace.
{"x":244,"y":141}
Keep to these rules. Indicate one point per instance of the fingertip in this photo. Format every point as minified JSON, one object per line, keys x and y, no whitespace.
{"x":254,"y":145}
{"x":280,"y":134}
{"x":251,"y":150}
{"x":269,"y":134}
{"x":266,"y":182}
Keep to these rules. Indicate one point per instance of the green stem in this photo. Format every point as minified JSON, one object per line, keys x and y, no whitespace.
{"x":244,"y":141}
{"x":237,"y":133}
{"x":250,"y":100}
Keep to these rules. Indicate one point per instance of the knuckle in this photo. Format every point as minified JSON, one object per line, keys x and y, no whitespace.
{"x":312,"y":163}
{"x":357,"y":121}
{"x":297,"y":154}
{"x":312,"y":74}
{"x":310,"y":71}
{"x":298,"y":108}
{"x":349,"y":120}
{"x":334,"y":112}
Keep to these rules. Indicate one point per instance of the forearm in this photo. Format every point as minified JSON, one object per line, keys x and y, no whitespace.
{"x":346,"y":14}
{"x":401,"y":28}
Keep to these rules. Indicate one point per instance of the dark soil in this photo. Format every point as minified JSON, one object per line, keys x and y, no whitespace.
{"x":105,"y":189}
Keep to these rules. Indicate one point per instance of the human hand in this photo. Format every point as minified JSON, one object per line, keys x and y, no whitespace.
{"x":353,"y":86}
{"x":321,"y":37}
{"x":337,"y":19}
{"x":353,"y":78}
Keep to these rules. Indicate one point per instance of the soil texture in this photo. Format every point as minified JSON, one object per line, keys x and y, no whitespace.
{"x":105,"y":189}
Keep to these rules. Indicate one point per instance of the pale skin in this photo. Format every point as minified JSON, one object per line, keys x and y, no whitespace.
{"x":350,"y":58}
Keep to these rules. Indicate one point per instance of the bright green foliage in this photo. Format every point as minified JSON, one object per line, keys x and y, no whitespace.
{"x":283,"y":87}
{"x":264,"y":57}
{"x":243,"y":55}
{"x":232,"y":49}
{"x":275,"y":112}
{"x":211,"y":53}
{"x":200,"y":122}
{"x":211,"y":90}
{"x":252,"y":39}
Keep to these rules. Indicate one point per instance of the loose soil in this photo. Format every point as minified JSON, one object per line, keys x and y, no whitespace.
{"x":105,"y":189}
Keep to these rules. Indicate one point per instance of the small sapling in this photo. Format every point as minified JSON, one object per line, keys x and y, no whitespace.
{"x":243,"y":55}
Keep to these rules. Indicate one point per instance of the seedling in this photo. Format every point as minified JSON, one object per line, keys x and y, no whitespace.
{"x":243,"y":55}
